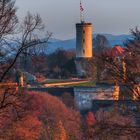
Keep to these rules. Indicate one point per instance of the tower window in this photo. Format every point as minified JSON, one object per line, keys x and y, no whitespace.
{"x":83,"y":40}
{"x":83,"y":31}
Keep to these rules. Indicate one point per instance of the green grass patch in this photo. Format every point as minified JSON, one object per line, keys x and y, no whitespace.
{"x":85,"y":84}
{"x":53,"y":81}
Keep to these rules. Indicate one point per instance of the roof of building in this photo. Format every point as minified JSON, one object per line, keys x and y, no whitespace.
{"x":116,"y":51}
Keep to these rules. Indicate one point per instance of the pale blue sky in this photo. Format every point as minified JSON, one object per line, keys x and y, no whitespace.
{"x":107,"y":16}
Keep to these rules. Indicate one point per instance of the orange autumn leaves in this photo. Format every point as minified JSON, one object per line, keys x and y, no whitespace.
{"x":90,"y":119}
{"x":43,"y":117}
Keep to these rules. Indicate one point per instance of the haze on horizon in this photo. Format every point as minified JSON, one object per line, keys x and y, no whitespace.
{"x":107,"y":16}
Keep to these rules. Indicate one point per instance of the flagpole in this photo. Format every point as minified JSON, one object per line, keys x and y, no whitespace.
{"x":80,"y":12}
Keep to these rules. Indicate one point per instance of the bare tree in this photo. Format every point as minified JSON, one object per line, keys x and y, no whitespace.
{"x":113,"y":125}
{"x":10,"y":103}
{"x":125,"y":69}
{"x":8,"y":18}
{"x":29,"y":30}
{"x":100,"y":43}
{"x":28,"y":36}
{"x":8,"y":24}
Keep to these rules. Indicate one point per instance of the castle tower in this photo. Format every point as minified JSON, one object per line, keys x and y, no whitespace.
{"x":83,"y":40}
{"x":83,"y":44}
{"x":83,"y":47}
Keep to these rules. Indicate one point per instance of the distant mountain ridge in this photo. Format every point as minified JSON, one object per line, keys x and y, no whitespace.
{"x":54,"y":44}
{"x":117,"y":39}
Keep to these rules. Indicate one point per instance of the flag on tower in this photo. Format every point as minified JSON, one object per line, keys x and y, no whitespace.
{"x":81,"y":7}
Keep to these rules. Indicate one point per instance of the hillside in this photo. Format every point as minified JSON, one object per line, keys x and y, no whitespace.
{"x":71,"y":43}
{"x":54,"y":44}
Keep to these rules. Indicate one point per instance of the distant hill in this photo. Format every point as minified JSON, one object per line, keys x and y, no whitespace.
{"x":54,"y":44}
{"x":65,"y":44}
{"x":117,"y":39}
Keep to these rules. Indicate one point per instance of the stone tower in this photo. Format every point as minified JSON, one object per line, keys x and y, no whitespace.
{"x":83,"y":40}
{"x":83,"y":46}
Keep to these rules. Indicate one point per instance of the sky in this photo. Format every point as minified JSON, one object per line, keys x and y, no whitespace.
{"x":60,"y":16}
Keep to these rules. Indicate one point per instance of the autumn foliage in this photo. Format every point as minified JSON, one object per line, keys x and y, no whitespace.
{"x":43,"y":117}
{"x":112,"y":125}
{"x":90,"y":119}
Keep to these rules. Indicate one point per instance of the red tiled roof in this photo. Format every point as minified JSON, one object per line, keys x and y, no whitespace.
{"x":114,"y":52}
